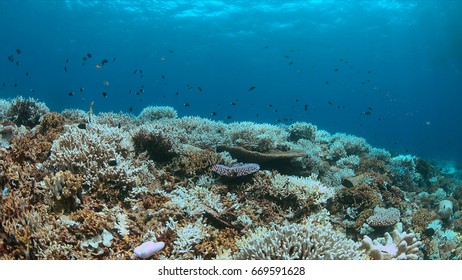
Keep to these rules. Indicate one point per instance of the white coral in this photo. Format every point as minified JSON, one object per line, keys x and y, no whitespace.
{"x":397,"y":246}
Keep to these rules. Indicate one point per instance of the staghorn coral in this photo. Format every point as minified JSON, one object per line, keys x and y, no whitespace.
{"x":309,"y":241}
{"x":52,"y":126}
{"x":101,"y":155}
{"x":66,"y":189}
{"x":193,"y":161}
{"x":397,"y":246}
{"x":26,"y":112}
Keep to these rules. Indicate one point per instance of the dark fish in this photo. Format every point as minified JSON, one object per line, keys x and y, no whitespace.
{"x":104,"y":61}
{"x":286,"y":56}
{"x":177,"y":93}
{"x":170,"y":51}
{"x":130,"y":109}
{"x":270,"y":105}
{"x":163,"y":77}
{"x":290,"y":63}
{"x":70,"y":93}
{"x":114,"y":59}
{"x":67,"y":60}
{"x":327,"y":82}
{"x":15,"y":84}
{"x":17,"y":63}
{"x":112,"y":162}
{"x":370,"y":109}
{"x":11,"y":58}
{"x":89,"y":55}
{"x":32,"y":90}
{"x":306,"y":107}
{"x":84,"y":58}
{"x":228,"y":117}
{"x":296,"y":100}
{"x":134,"y":72}
{"x":213,"y":113}
{"x":233,"y":103}
{"x":367,"y":113}
{"x":199,"y":89}
{"x":65,"y":69}
{"x":276,"y":110}
{"x":252,"y":88}
{"x":82,"y":126}
{"x":18,"y":51}
{"x":4,"y":84}
{"x":330,"y":103}
{"x":82,"y":89}
{"x":141,"y":71}
{"x":104,"y":93}
{"x":265,"y":47}
{"x":429,"y":232}
{"x":186,"y":104}
{"x":27,"y":74}
{"x":336,"y":69}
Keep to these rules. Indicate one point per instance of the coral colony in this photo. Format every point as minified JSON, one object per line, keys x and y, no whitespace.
{"x":75,"y":185}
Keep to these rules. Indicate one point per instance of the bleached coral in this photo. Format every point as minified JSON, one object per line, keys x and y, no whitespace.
{"x":100,"y":154}
{"x":152,"y":113}
{"x":307,"y":241}
{"x":257,"y":137}
{"x":307,"y":191}
{"x":302,"y":130}
{"x":187,"y":237}
{"x":395,"y":246}
{"x":26,"y":112}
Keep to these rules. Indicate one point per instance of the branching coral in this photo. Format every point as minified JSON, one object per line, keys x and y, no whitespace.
{"x":397,"y":246}
{"x":26,"y":112}
{"x":297,"y":242}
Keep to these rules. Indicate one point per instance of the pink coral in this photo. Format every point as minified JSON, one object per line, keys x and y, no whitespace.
{"x":237,"y":170}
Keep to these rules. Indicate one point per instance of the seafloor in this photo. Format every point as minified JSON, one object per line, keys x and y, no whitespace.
{"x":79,"y":185}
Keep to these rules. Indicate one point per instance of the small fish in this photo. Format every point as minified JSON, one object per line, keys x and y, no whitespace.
{"x":329,"y":102}
{"x":84,"y":58}
{"x":336,"y":69}
{"x":233,"y":103}
{"x":134,"y":72}
{"x":265,"y":47}
{"x":17,"y":63}
{"x":97,"y":66}
{"x":114,"y":59}
{"x":67,"y":60}
{"x":11,"y":58}
{"x":367,"y":113}
{"x":15,"y":84}
{"x":82,"y":125}
{"x":130,"y":109}
{"x":112,"y":162}
{"x":32,"y":90}
{"x":141,"y":71}
{"x":163,"y":77}
{"x":89,"y":55}
{"x":27,"y":74}
{"x":186,"y":104}
{"x":70,"y":93}
{"x":81,"y":89}
{"x":199,"y":89}
{"x":104,"y":61}
{"x":170,"y":51}
{"x":286,"y":56}
{"x":290,"y":63}
{"x":252,"y":88}
{"x":228,"y":117}
{"x":106,"y":83}
{"x":104,"y":94}
{"x":177,"y":93}
{"x":18,"y":51}
{"x":306,"y":107}
{"x":213,"y":113}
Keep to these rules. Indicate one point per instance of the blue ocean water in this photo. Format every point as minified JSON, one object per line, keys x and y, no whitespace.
{"x":388,"y":71}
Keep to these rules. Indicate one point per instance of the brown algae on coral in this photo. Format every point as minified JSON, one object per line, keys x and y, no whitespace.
{"x":84,"y":186}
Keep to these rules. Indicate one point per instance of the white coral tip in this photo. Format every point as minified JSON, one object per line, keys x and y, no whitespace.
{"x":148,"y":249}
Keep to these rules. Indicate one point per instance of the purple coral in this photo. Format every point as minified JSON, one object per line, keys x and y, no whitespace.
{"x":237,"y":170}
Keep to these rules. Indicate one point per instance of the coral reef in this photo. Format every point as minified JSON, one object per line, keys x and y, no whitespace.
{"x":75,"y":185}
